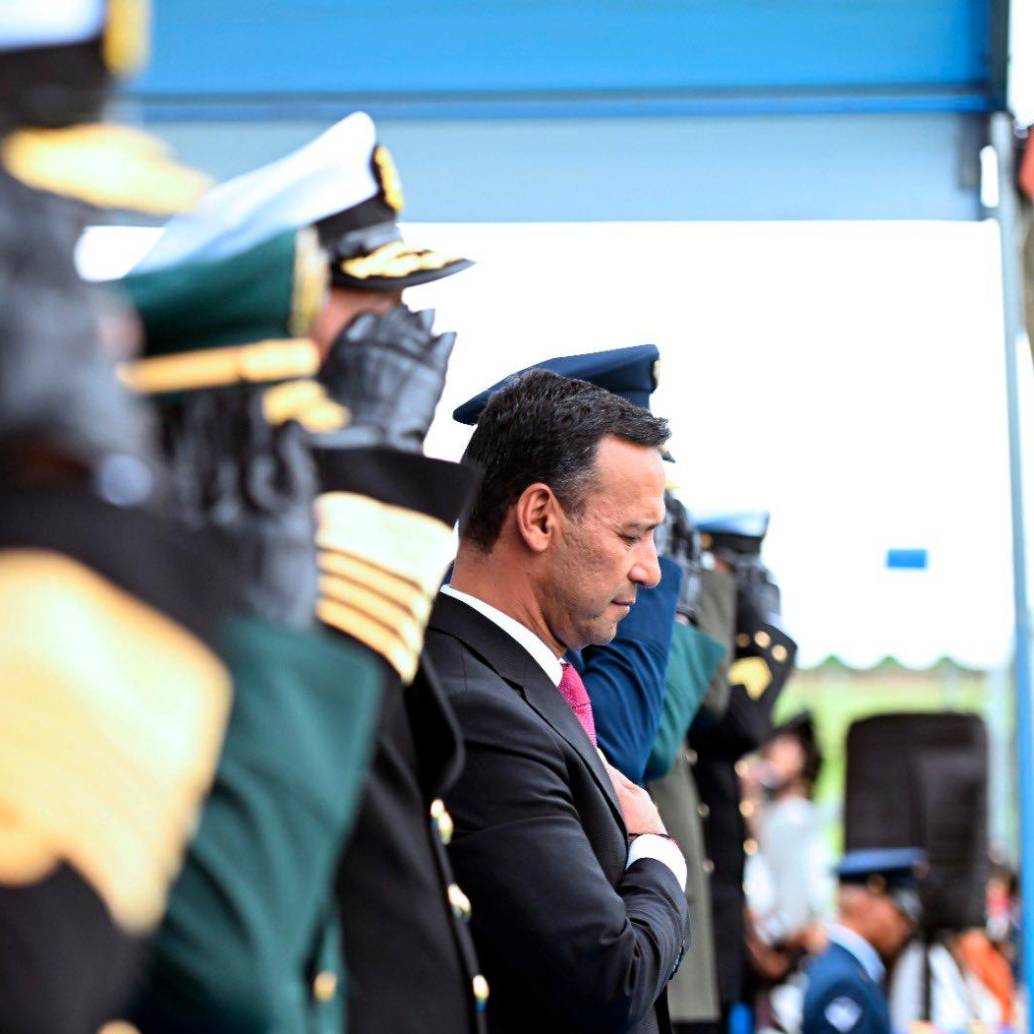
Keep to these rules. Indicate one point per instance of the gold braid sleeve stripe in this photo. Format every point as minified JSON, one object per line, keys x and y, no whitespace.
{"x":113,"y":721}
{"x":382,"y":567}
{"x":401,"y":591}
{"x":371,"y":633}
{"x":376,"y":606}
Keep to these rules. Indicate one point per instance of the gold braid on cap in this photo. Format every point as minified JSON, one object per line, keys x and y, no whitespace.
{"x":311,"y":280}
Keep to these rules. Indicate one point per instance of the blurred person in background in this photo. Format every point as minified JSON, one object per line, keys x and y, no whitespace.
{"x":878,"y":911}
{"x":789,"y":881}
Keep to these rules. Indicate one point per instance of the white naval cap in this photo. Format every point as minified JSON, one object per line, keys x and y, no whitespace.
{"x":344,"y":183}
{"x":331,"y":173}
{"x":45,"y":23}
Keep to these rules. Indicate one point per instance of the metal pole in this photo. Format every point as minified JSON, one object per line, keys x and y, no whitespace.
{"x":1006,"y":213}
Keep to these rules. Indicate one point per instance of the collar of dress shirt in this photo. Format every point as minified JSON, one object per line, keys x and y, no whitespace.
{"x":860,"y":948}
{"x":544,"y":656}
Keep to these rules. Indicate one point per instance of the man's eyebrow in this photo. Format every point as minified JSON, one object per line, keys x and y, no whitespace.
{"x":639,"y":526}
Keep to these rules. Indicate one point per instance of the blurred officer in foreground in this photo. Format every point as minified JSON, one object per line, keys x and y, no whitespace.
{"x":110,"y":679}
{"x":58,"y":65}
{"x":384,"y":538}
{"x":878,"y":910}
{"x":762,"y":659}
{"x":250,"y":941}
{"x":111,"y":682}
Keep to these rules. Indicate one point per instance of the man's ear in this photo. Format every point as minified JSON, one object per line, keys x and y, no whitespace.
{"x":537,"y":513}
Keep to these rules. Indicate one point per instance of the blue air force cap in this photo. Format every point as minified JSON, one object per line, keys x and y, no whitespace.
{"x":736,"y":532}
{"x":628,"y":372}
{"x":894,"y":871}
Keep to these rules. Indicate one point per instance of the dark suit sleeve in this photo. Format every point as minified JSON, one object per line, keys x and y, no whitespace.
{"x":543,"y":908}
{"x":625,"y":678}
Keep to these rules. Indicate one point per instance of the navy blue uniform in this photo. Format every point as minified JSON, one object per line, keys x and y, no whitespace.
{"x":626,"y":677}
{"x":844,"y":996}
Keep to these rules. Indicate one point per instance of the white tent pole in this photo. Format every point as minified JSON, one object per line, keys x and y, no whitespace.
{"x":1006,"y":213}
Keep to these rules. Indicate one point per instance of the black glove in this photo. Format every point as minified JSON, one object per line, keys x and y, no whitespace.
{"x":251,"y":486}
{"x":677,"y":539}
{"x":388,"y":371}
{"x":755,"y":586}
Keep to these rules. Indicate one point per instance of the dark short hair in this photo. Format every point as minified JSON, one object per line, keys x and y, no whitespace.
{"x":543,"y":427}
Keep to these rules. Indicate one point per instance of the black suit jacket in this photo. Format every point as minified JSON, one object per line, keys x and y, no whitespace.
{"x":569,"y":939}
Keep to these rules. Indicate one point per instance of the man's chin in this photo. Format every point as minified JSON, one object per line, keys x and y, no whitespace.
{"x":602,"y":633}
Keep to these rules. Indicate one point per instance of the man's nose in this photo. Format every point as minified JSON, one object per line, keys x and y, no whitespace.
{"x":647,"y":569}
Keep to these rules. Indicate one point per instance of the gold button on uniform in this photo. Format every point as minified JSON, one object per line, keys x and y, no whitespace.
{"x":746,"y":809}
{"x":480,"y":985}
{"x":750,"y":846}
{"x":763,"y":639}
{"x":741,"y":768}
{"x":743,"y":640}
{"x":460,"y":902}
{"x":324,"y":987}
{"x":691,"y":756}
{"x":703,"y":810}
{"x":707,"y":865}
{"x":779,"y":653}
{"x":441,"y":820}
{"x":118,"y":1027}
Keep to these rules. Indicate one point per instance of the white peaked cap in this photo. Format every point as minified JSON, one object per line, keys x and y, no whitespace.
{"x":329,"y":175}
{"x":41,"y":23}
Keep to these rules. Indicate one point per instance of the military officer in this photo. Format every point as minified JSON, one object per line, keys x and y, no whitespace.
{"x":878,"y":910}
{"x":58,"y":66}
{"x":761,"y":661}
{"x":111,"y":680}
{"x":249,"y":941}
{"x":384,"y":538}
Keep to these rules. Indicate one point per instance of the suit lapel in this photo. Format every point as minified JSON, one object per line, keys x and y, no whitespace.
{"x":512,"y":662}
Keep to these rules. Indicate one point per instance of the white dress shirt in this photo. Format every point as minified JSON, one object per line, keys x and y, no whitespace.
{"x":648,"y":845}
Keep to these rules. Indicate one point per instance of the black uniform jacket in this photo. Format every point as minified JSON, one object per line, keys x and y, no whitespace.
{"x":570,"y":940}
{"x":410,"y":956}
{"x":715,"y":750}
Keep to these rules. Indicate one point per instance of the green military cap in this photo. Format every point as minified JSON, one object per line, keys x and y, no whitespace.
{"x":237,"y":320}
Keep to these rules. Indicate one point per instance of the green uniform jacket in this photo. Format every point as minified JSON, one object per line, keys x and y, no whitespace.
{"x":250,"y":942}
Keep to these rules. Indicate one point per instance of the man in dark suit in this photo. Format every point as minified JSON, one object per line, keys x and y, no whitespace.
{"x":579,"y":915}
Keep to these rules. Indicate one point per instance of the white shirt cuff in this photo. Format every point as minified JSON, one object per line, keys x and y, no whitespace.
{"x":667,"y":852}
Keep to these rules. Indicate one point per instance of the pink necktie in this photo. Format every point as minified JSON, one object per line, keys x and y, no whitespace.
{"x":573,"y":690}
